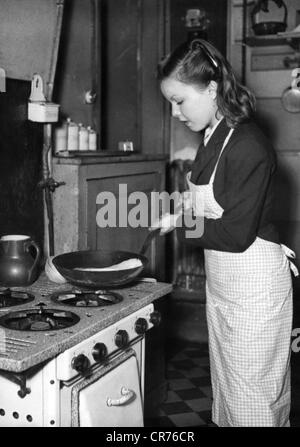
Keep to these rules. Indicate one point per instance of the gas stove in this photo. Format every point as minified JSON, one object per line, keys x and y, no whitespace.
{"x":73,"y":357}
{"x":44,"y":319}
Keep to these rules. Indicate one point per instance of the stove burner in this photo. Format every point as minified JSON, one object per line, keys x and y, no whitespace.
{"x":87,"y":298}
{"x":39,"y":320}
{"x":9,"y":298}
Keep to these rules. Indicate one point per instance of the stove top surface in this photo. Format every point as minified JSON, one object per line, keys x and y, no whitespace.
{"x":30,"y":332}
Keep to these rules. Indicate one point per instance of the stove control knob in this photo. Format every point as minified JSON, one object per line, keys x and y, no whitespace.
{"x":121,"y":339}
{"x":80,"y":363}
{"x":141,"y":326}
{"x":99,"y":352}
{"x":155,"y":318}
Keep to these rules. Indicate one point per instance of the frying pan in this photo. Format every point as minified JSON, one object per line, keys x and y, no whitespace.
{"x":68,"y":263}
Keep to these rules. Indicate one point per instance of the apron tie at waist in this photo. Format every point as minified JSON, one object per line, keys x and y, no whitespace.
{"x":290,"y":254}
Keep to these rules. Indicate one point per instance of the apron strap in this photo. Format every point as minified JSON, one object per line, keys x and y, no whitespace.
{"x":212,"y":178}
{"x":290,"y":254}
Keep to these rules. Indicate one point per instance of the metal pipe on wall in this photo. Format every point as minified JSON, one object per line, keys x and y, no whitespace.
{"x":47,"y":182}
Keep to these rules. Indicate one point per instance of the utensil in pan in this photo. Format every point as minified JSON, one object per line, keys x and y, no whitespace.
{"x":69,"y":265}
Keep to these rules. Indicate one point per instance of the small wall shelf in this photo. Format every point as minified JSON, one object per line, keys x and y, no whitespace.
{"x":292,"y":39}
{"x":265,"y":41}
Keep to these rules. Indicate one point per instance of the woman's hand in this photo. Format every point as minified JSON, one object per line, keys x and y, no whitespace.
{"x":186,"y":201}
{"x":166,"y":223}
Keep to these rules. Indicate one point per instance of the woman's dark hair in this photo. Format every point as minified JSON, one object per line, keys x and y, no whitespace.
{"x":198,"y":63}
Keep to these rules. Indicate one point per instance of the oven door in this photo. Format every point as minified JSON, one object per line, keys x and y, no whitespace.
{"x":110,"y":397}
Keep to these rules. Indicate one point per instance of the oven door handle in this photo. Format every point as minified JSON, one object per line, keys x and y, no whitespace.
{"x":127,"y":395}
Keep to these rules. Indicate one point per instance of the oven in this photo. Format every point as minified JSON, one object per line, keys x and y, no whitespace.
{"x":95,"y":382}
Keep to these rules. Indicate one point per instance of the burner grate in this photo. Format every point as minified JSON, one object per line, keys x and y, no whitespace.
{"x":87,"y":298}
{"x":39,"y":320}
{"x":9,"y":298}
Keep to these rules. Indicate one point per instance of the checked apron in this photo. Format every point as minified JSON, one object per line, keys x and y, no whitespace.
{"x":249,"y":318}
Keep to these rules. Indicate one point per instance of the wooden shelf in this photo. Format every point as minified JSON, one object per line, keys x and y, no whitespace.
{"x":265,"y":41}
{"x":288,"y":38}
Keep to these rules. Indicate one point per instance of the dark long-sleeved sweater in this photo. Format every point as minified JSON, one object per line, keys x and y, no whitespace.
{"x":243,"y":187}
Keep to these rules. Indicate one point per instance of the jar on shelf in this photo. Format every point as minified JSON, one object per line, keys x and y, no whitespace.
{"x":92,"y":144}
{"x":83,"y":138}
{"x":73,"y":135}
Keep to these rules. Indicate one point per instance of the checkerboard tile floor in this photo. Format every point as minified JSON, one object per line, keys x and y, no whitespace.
{"x":189,"y":397}
{"x":189,"y":400}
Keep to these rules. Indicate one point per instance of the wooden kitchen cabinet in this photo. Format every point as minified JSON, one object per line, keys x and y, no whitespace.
{"x":75,"y":203}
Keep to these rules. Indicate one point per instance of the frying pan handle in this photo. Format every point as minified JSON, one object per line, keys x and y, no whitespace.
{"x":150,"y":236}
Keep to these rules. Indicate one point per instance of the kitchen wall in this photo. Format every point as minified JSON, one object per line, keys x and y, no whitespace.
{"x":26,"y":33}
{"x":132,"y":44}
{"x":114,"y":55}
{"x":21,"y":142}
{"x":76,"y":68}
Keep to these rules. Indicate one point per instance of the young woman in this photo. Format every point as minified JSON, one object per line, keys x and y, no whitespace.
{"x":248,"y":278}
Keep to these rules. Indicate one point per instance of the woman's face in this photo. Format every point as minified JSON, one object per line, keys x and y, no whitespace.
{"x":196,"y":108}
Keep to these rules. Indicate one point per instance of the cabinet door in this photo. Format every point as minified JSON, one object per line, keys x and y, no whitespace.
{"x":125,"y":236}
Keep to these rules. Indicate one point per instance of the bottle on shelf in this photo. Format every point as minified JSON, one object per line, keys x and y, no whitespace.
{"x":60,"y":138}
{"x":73,"y":135}
{"x":92,"y":144}
{"x":83,"y":138}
